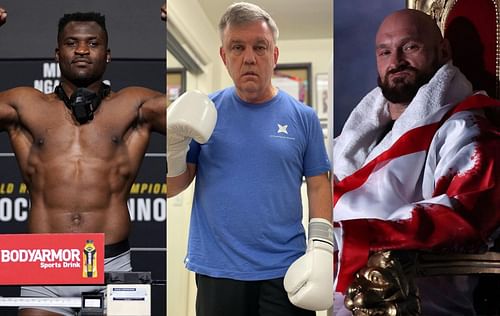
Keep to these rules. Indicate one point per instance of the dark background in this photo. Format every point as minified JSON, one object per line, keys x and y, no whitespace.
{"x":134,"y":27}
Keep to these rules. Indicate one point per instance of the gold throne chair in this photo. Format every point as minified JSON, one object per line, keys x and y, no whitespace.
{"x":473,"y":30}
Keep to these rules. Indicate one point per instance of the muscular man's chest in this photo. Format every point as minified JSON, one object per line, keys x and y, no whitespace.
{"x":56,"y":129}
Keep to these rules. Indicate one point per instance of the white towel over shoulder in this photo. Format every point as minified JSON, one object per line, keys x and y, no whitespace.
{"x":357,"y":144}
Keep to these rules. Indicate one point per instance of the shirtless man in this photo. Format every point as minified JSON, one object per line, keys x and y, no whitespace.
{"x":79,"y":165}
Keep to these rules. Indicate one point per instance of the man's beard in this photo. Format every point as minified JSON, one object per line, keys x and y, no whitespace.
{"x":403,"y":90}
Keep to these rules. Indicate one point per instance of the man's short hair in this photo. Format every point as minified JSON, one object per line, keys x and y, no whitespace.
{"x":244,"y":12}
{"x":100,"y":19}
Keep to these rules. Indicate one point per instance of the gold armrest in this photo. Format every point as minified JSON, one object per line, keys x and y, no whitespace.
{"x":431,"y":264}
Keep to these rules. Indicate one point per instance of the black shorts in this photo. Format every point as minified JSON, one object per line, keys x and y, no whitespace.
{"x":227,"y":297}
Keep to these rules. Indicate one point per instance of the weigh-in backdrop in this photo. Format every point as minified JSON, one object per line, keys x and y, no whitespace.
{"x":137,"y":43}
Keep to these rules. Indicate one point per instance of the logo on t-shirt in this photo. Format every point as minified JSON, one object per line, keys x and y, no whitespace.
{"x":282,"y":131}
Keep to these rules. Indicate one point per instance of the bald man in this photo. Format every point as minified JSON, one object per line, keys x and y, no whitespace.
{"x":414,"y":170}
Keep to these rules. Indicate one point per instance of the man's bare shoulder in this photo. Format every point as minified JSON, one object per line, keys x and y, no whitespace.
{"x":138,"y":92}
{"x":21,"y":95}
{"x":24,"y":91}
{"x":136,"y":97}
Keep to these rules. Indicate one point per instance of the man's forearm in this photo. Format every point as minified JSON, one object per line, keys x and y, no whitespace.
{"x":320,"y":197}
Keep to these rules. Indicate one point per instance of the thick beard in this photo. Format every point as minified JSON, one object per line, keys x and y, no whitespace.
{"x":403,"y":91}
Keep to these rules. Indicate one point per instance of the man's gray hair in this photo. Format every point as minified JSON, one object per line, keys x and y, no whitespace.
{"x":243,"y":12}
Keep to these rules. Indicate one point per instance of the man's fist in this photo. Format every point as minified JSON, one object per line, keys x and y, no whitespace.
{"x":3,"y":16}
{"x":164,"y":12}
{"x":309,"y":280}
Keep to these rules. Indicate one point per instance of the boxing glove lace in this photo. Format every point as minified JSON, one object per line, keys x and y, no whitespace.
{"x":309,"y":280}
{"x":190,"y":116}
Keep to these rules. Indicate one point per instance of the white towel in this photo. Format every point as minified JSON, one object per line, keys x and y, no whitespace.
{"x":357,"y":144}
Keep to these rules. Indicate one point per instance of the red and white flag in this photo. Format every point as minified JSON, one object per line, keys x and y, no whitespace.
{"x":434,"y":187}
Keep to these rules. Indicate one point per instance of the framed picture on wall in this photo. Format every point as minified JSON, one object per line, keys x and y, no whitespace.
{"x":294,"y":79}
{"x":322,"y":96}
{"x":321,"y":105}
{"x":176,"y":83}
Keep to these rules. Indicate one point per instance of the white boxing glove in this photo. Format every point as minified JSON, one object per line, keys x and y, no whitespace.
{"x":309,"y":280}
{"x":190,"y":116}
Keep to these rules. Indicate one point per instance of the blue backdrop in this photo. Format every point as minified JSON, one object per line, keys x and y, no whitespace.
{"x":355,"y":24}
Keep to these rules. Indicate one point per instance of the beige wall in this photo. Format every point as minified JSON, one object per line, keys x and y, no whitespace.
{"x":172,"y":62}
{"x":199,"y":34}
{"x":186,"y":18}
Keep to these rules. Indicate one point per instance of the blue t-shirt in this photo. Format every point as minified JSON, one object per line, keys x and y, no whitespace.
{"x":246,"y":222}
